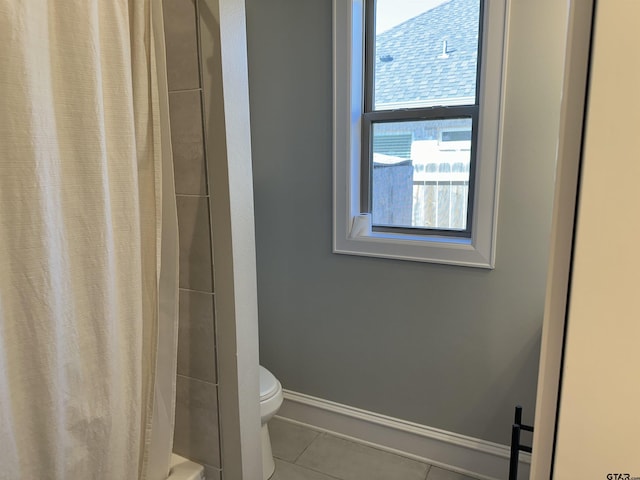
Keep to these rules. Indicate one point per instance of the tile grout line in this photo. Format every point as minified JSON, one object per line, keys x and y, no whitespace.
{"x":312,"y":470}
{"x":192,"y":195}
{"x":307,"y":447}
{"x":197,"y":89}
{"x":184,"y":289}
{"x":428,"y":470}
{"x":215,"y":384}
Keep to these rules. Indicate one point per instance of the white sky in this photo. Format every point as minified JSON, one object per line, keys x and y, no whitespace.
{"x":393,"y":12}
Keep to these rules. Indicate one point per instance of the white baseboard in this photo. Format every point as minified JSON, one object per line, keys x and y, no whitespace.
{"x":470,"y":456}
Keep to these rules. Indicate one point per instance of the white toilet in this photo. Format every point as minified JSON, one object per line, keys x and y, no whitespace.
{"x":270,"y":401}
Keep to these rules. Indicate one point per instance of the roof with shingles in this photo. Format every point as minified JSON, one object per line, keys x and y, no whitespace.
{"x":408,"y":66}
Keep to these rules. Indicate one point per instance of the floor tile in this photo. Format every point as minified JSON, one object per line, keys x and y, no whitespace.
{"x":289,"y":440}
{"x":351,"y":461}
{"x":288,"y":471}
{"x":441,"y":474}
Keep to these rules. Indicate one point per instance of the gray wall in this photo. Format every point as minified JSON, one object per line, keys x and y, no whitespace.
{"x":449,"y":347}
{"x":196,"y":433}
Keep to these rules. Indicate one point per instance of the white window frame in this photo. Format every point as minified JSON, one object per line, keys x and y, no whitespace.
{"x":352,"y":232}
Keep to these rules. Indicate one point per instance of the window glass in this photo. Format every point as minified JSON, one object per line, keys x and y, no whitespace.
{"x":425,"y":53}
{"x":420,"y":173}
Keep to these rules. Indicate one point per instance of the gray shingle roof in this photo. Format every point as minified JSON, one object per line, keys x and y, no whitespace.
{"x":408,"y":66}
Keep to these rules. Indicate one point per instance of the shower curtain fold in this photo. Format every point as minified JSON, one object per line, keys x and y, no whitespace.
{"x":88,"y":242}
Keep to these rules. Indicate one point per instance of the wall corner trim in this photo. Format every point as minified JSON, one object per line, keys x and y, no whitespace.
{"x":467,"y":455}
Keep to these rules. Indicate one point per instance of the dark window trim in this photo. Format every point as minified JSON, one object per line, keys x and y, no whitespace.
{"x":371,"y":116}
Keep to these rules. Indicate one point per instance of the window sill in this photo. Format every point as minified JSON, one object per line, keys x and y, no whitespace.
{"x":417,"y":248}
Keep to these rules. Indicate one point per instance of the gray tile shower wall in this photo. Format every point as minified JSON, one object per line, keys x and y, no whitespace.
{"x":183,"y":71}
{"x":195,"y":243}
{"x":196,"y":336}
{"x":196,"y":431}
{"x":196,"y":434}
{"x":187,"y":142}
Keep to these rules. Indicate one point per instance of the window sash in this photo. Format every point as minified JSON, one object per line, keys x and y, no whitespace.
{"x":366,"y":167}
{"x":371,"y":116}
{"x":369,"y":55}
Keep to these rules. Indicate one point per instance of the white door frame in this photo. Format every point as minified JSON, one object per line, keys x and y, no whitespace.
{"x":574,"y":95}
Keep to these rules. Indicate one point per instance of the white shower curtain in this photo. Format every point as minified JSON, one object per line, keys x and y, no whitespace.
{"x":88,"y":242}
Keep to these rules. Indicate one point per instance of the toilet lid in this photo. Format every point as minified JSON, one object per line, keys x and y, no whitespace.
{"x":268,"y":384}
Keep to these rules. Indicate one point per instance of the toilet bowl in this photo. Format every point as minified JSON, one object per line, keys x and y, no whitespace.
{"x":270,"y":401}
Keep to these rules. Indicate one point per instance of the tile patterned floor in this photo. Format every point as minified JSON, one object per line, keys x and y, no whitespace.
{"x":305,"y":454}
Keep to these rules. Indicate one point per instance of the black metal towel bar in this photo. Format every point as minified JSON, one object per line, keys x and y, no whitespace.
{"x":516,"y":448}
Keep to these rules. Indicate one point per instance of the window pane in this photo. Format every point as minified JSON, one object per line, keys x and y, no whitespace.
{"x":426,"y":53}
{"x":421,"y":173}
